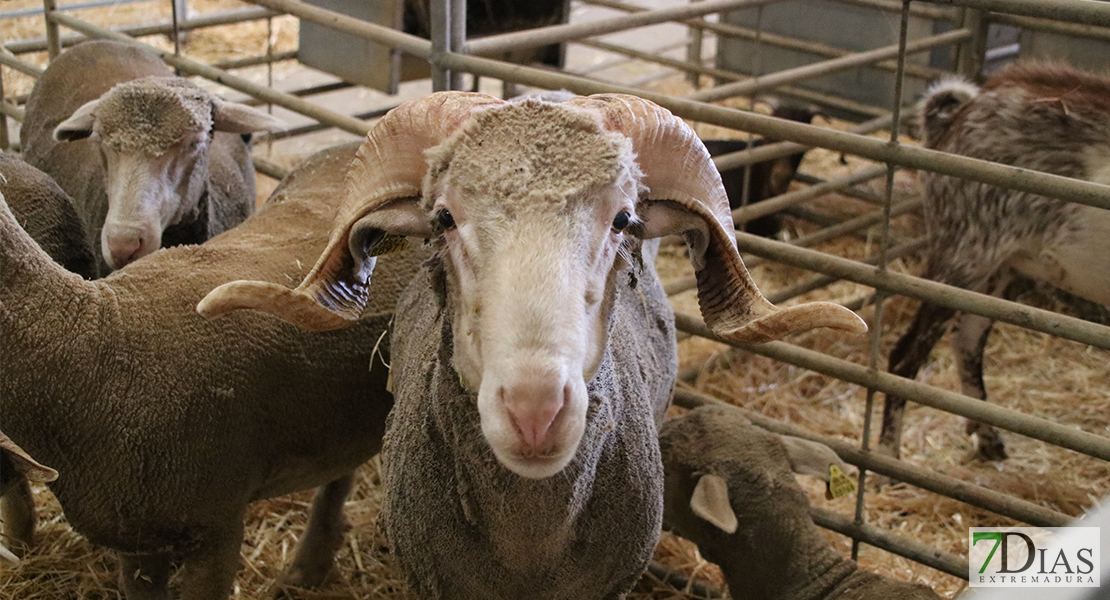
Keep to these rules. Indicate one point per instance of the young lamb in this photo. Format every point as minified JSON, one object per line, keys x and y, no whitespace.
{"x":165,"y":425}
{"x":1043,"y":117}
{"x":535,"y":355}
{"x":151,"y":159}
{"x":47,"y":214}
{"x":768,"y":178}
{"x":17,"y":468}
{"x":729,"y":489}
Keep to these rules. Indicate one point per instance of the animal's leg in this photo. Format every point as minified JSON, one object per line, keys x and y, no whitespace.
{"x":906,"y":359}
{"x":18,"y":510}
{"x":323,"y":537}
{"x":144,"y":576}
{"x":209,"y":572}
{"x":969,"y":339}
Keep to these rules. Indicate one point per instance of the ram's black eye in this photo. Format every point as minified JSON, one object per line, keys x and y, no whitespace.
{"x":446,"y":220}
{"x":621,"y":220}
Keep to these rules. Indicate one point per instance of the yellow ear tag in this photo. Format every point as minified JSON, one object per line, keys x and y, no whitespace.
{"x":389,"y":244}
{"x":839,"y":484}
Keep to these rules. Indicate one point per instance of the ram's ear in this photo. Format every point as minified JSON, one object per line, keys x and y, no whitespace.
{"x":710,"y":502}
{"x":685,"y":197}
{"x":79,"y":125}
{"x":335,"y":293}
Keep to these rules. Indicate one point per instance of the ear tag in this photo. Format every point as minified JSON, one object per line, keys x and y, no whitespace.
{"x":390,"y":244}
{"x":839,"y":484}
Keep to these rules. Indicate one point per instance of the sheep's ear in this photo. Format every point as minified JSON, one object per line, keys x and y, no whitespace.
{"x":79,"y":125}
{"x":24,"y":464}
{"x":710,"y":502}
{"x":818,"y":460}
{"x":233,"y":117}
{"x":685,"y":197}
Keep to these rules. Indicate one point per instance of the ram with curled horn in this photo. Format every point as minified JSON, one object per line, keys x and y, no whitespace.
{"x":538,"y":332}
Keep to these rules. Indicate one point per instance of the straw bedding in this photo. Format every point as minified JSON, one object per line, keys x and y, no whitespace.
{"x":1028,"y":371}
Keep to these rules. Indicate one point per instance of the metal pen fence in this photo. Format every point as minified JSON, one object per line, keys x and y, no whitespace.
{"x":450,"y":54}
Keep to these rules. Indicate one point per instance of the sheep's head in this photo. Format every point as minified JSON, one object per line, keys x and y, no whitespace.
{"x":534,"y":204}
{"x":154,"y":134}
{"x":721,"y":469}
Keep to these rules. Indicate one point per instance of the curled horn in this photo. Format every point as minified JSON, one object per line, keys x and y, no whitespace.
{"x":390,"y":165}
{"x":678,"y":169}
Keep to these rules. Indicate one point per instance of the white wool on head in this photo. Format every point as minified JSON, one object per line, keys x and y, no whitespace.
{"x":151,"y":114}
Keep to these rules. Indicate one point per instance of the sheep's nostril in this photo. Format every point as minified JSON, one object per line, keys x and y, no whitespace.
{"x":125,"y":251}
{"x":533,"y":407}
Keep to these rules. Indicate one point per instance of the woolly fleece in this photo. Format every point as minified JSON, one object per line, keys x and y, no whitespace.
{"x":465,"y":527}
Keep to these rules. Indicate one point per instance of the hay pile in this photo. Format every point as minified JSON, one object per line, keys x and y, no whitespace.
{"x":1030,"y":372}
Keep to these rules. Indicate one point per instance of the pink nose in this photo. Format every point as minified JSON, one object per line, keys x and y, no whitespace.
{"x":533,"y":406}
{"x":125,"y":251}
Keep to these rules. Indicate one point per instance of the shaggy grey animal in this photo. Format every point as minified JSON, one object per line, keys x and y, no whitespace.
{"x":47,"y":214}
{"x":730,"y":489}
{"x":17,"y":468}
{"x":535,"y":355}
{"x":165,"y":425}
{"x":1048,"y":118}
{"x":150,"y":159}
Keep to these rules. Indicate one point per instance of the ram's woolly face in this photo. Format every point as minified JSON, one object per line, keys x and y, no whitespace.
{"x":534,"y":202}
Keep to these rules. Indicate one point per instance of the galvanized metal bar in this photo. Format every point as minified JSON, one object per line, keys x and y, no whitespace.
{"x":458,"y":37}
{"x":440,"y":26}
{"x":495,"y":45}
{"x":12,"y":111}
{"x":827,"y":67}
{"x":945,"y":562}
{"x":410,"y":44}
{"x":9,"y":60}
{"x":193,"y":67}
{"x":53,"y":47}
{"x":776,"y":150}
{"x":774,"y":205}
{"x":269,"y":169}
{"x":1073,"y":190}
{"x":723,"y":75}
{"x":301,"y":93}
{"x":815,"y":283}
{"x":779,"y":41}
{"x":1069,"y":29}
{"x":930,"y":291}
{"x":917,"y":10}
{"x":1084,"y":12}
{"x":314,"y":127}
{"x":204,"y":21}
{"x":693,"y":52}
{"x":30,"y":12}
{"x":958,"y":404}
{"x":254,"y":61}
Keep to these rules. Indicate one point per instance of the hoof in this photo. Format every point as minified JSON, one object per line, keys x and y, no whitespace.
{"x":990,"y":447}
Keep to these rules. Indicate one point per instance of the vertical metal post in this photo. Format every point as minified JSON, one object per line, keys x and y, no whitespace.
{"x":441,"y":43}
{"x":972,"y":53}
{"x":693,"y":53}
{"x":53,"y":46}
{"x":876,"y":325}
{"x":457,"y":44}
{"x":4,"y":144}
